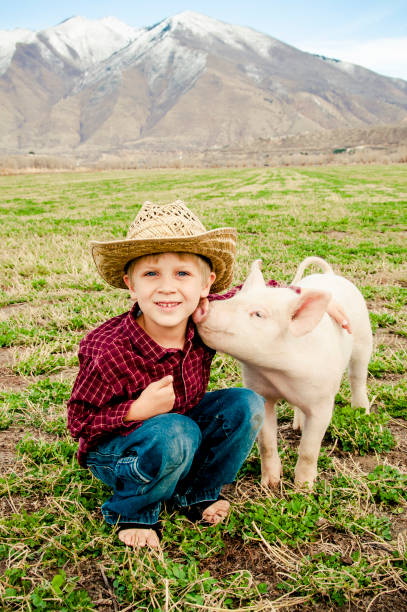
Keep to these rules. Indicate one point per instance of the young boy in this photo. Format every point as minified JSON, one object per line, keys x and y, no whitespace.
{"x":139,"y":407}
{"x":146,"y":426}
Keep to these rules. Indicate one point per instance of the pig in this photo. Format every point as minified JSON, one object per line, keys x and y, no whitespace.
{"x":291,"y":349}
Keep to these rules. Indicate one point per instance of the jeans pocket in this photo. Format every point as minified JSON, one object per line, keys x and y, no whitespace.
{"x":127,"y":469}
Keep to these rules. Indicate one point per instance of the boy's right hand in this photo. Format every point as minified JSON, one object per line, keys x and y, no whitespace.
{"x":157,"y":398}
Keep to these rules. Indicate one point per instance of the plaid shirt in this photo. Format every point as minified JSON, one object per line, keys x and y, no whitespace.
{"x":118,"y":360}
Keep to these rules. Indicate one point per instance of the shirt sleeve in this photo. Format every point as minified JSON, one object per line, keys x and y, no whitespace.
{"x":95,"y":407}
{"x":212,"y":297}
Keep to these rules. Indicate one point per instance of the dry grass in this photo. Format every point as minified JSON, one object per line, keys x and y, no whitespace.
{"x":341,"y":546}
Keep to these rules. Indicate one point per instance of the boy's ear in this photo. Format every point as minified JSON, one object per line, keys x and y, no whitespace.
{"x":206,"y":289}
{"x":127,"y":281}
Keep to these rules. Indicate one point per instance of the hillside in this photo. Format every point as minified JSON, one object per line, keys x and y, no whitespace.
{"x":188,"y":82}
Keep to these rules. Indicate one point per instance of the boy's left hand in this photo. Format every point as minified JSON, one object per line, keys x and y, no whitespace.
{"x":338,"y":314}
{"x":201,"y":310}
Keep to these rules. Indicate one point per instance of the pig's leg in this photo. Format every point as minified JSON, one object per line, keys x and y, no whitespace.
{"x":315,"y":426}
{"x":298,"y":420}
{"x":267,"y":438}
{"x":358,"y":376}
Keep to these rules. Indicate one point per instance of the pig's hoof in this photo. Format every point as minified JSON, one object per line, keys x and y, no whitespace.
{"x":304,"y":484}
{"x":270,"y":483}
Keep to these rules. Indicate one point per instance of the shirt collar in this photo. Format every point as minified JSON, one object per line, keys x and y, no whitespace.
{"x":139,"y":337}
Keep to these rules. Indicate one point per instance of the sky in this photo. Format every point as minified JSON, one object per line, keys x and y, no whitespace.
{"x":371,"y":33}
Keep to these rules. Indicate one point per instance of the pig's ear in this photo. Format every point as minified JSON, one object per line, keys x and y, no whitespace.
{"x":255,"y":278}
{"x":307,"y":311}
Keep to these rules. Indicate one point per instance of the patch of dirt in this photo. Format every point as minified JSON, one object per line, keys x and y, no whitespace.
{"x":62,"y":375}
{"x":238,"y":555}
{"x":10,"y":309}
{"x":389,"y":338}
{"x":8,"y":441}
{"x":367,"y":463}
{"x":10,"y":381}
{"x":399,"y":526}
{"x":391,"y":378}
{"x":17,"y":504}
{"x":9,"y":438}
{"x":398,"y":456}
{"x":6,"y":357}
{"x":288,"y":433}
{"x":387,"y":277}
{"x":337,"y":234}
{"x":386,"y":602}
{"x":94,"y":580}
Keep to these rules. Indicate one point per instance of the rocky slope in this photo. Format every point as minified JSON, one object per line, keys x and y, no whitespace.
{"x":188,"y":82}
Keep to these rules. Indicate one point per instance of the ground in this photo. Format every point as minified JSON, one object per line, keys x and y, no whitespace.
{"x":341,"y":547}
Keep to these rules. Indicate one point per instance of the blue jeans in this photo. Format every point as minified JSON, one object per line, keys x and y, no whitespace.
{"x":183,"y":458}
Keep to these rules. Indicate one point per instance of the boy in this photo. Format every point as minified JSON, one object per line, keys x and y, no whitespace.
{"x":146,"y":425}
{"x":139,"y":407}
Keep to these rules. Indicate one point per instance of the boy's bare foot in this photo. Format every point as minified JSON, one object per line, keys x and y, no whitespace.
{"x":139,"y":537}
{"x":216,"y":512}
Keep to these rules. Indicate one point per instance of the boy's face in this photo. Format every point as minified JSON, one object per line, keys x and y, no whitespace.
{"x":168,"y":289}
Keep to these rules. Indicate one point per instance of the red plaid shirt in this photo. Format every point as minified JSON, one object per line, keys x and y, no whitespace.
{"x":118,"y":360}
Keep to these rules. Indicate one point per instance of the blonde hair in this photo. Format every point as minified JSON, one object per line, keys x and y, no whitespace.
{"x":204,"y":264}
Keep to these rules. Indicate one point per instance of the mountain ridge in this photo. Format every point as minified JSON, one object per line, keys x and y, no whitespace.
{"x":188,"y":81}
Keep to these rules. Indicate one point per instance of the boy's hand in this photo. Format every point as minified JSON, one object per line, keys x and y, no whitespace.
{"x":157,"y":398}
{"x":201,"y":310}
{"x":336,"y":311}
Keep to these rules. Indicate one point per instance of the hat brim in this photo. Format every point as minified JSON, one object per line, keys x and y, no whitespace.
{"x":218,"y":245}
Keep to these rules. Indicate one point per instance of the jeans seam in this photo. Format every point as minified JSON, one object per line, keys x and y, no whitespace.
{"x":207,"y":495}
{"x":104,"y":455}
{"x":137,"y":518}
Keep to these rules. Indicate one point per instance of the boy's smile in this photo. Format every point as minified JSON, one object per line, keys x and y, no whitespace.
{"x":168,"y":289}
{"x":167,"y":305}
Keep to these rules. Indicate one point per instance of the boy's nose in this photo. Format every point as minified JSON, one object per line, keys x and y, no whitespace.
{"x":166,"y":290}
{"x":166,"y":286}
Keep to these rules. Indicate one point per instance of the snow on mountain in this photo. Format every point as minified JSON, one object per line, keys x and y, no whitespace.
{"x":8,"y":41}
{"x":86,"y":42}
{"x":163,"y":47}
{"x":80,"y":41}
{"x":185,"y":64}
{"x":94,"y":46}
{"x":159,"y":51}
{"x":236,"y":36}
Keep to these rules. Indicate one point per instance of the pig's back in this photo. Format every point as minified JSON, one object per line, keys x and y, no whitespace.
{"x":346,"y":294}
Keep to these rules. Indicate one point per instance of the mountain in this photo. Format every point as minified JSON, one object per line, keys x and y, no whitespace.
{"x":187,"y":82}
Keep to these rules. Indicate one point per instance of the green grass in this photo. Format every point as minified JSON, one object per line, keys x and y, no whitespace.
{"x":340,"y":546}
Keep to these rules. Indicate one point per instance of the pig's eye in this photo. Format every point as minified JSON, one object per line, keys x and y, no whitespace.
{"x":257,"y":313}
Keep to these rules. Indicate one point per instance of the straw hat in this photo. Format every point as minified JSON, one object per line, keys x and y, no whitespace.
{"x":169,"y":228}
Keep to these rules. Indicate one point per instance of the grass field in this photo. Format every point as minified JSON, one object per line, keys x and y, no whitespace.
{"x":341,"y":546}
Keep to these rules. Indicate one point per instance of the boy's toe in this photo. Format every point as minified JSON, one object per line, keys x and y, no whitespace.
{"x":216,"y":512}
{"x":139,"y":537}
{"x":152,"y":539}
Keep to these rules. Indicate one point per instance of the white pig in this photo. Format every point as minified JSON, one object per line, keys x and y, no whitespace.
{"x":291,"y":349}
